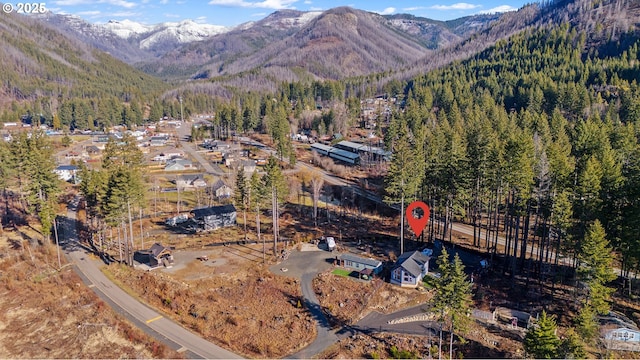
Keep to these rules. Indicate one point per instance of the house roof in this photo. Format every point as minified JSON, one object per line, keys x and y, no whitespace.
{"x":361,"y":260}
{"x":351,"y":145}
{"x":183,"y":162}
{"x":345,"y":153}
{"x":67,"y":168}
{"x":322,"y":147}
{"x":412,"y":262}
{"x":218,"y":184}
{"x":248,"y":163}
{"x":214,"y":210}
{"x":190,"y":177}
{"x":614,"y":319}
{"x":157,"y":249}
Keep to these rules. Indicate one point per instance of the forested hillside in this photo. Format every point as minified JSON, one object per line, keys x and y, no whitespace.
{"x":537,"y":136}
{"x":44,"y":70}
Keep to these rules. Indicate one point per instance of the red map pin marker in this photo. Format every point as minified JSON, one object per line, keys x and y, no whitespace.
{"x":418,"y":224}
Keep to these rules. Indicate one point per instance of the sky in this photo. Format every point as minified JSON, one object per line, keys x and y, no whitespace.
{"x":235,"y":12}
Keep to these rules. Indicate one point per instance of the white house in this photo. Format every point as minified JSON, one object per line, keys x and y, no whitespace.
{"x":66,"y":172}
{"x":221,"y":189}
{"x":410,"y":268}
{"x":249,"y":166}
{"x":191,"y":181}
{"x":179,"y":165}
{"x":618,"y":332}
{"x":364,"y":266}
{"x":622,"y":338}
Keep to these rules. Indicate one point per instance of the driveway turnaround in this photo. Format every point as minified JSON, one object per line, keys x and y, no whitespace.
{"x":144,"y":317}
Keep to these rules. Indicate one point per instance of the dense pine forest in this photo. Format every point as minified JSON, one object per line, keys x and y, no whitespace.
{"x":534,"y":137}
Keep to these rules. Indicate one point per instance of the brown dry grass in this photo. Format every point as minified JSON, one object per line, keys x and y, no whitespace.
{"x":378,"y":345}
{"x":50,"y":314}
{"x":249,"y":311}
{"x":348,"y":300}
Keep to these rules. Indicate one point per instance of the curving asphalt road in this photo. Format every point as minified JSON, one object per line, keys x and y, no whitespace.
{"x":146,"y":318}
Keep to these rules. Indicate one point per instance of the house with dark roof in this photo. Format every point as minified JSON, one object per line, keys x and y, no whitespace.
{"x":160,"y":254}
{"x":221,"y":190}
{"x":364,"y":266}
{"x":92,"y":150}
{"x":409,"y":269}
{"x":214,"y":217}
{"x":158,"y":140}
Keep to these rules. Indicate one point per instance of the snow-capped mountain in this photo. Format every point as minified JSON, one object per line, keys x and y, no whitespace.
{"x":126,"y":28}
{"x":97,"y":36}
{"x":286,"y":19}
{"x":164,"y":36}
{"x":132,"y":41}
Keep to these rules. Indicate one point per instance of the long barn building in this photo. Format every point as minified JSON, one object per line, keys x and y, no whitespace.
{"x":353,"y":153}
{"x":341,"y":155}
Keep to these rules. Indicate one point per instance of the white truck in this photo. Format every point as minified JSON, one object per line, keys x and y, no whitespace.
{"x":331,"y":243}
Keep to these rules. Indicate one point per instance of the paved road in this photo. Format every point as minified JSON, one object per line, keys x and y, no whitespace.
{"x":183,"y":134}
{"x":89,"y":269}
{"x":305,"y":265}
{"x":326,"y":336}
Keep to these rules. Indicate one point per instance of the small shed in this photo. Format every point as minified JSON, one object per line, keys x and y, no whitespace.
{"x":365,"y":266}
{"x":214,"y":217}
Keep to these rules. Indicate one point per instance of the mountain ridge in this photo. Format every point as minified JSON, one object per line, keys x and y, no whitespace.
{"x":263,"y":45}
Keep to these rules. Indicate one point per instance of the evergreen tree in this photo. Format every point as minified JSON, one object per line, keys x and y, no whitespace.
{"x":572,"y":347}
{"x":596,"y":267}
{"x":404,"y":175}
{"x":541,"y":341}
{"x":587,"y":322}
{"x":452,"y":299}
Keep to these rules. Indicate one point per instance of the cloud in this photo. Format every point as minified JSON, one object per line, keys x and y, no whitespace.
{"x":266,"y":4}
{"x":499,"y":9}
{"x":315,"y":8}
{"x":201,"y":20}
{"x":172,"y":16}
{"x":456,"y":6}
{"x":259,"y":14}
{"x":164,"y":2}
{"x":387,"y":11}
{"x":308,"y":2}
{"x":122,"y":3}
{"x":414,"y":8}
